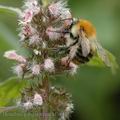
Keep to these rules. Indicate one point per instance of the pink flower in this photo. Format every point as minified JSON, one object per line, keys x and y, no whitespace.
{"x":30,"y":9}
{"x":73,"y":68}
{"x":36,"y":69}
{"x":19,"y":70}
{"x":27,"y":30}
{"x":31,"y":5}
{"x":66,"y":15}
{"x":27,"y":17}
{"x":67,"y":22}
{"x":37,"y":99}
{"x":28,"y":105}
{"x":12,"y":55}
{"x":21,"y":59}
{"x":35,"y":39}
{"x":68,"y":18}
{"x":52,"y":33}
{"x":64,"y":61}
{"x":59,"y":9}
{"x":49,"y":65}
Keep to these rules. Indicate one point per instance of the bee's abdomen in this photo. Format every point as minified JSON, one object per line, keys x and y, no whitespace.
{"x":80,"y":59}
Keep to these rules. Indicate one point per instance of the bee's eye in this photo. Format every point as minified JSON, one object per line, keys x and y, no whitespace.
{"x":66,"y":30}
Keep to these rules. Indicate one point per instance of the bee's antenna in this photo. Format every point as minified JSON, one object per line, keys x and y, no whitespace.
{"x":57,"y":31}
{"x":67,"y":19}
{"x":63,"y":31}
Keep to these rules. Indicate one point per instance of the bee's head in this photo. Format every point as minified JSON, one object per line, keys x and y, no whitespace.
{"x":73,"y":29}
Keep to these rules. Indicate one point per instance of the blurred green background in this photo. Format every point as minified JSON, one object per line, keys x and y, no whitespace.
{"x":96,"y":92}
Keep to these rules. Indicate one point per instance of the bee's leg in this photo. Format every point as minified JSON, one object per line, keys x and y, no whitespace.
{"x":59,"y":19}
{"x":61,"y":49}
{"x":57,"y":49}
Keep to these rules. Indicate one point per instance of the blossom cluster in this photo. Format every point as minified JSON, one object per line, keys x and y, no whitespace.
{"x":38,"y":26}
{"x":30,"y":103}
{"x":38,"y":34}
{"x":59,"y":100}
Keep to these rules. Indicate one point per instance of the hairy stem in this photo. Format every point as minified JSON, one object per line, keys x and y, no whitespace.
{"x":46,"y":86}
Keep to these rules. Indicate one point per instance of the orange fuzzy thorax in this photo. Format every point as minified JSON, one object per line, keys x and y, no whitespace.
{"x":89,"y":29}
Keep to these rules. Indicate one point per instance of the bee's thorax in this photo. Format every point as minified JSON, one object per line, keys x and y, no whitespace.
{"x":88,"y":28}
{"x":74,"y":31}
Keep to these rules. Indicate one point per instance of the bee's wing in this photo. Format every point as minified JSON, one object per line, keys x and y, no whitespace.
{"x":85,"y":45}
{"x":102,"y":53}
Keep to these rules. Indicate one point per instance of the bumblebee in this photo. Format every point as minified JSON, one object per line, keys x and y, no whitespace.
{"x":82,"y":44}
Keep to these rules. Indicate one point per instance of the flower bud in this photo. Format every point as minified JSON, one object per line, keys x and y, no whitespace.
{"x":37,"y":99}
{"x":19,"y":69}
{"x":73,"y":68}
{"x":12,"y":55}
{"x":28,"y":105}
{"x":36,"y":69}
{"x":35,"y":40}
{"x":49,"y":65}
{"x":58,"y":9}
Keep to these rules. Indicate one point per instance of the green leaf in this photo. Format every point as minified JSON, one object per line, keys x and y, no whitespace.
{"x":96,"y":61}
{"x":10,"y":9}
{"x":10,"y":90}
{"x":7,"y":38}
{"x":45,"y":2}
{"x":8,"y":41}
